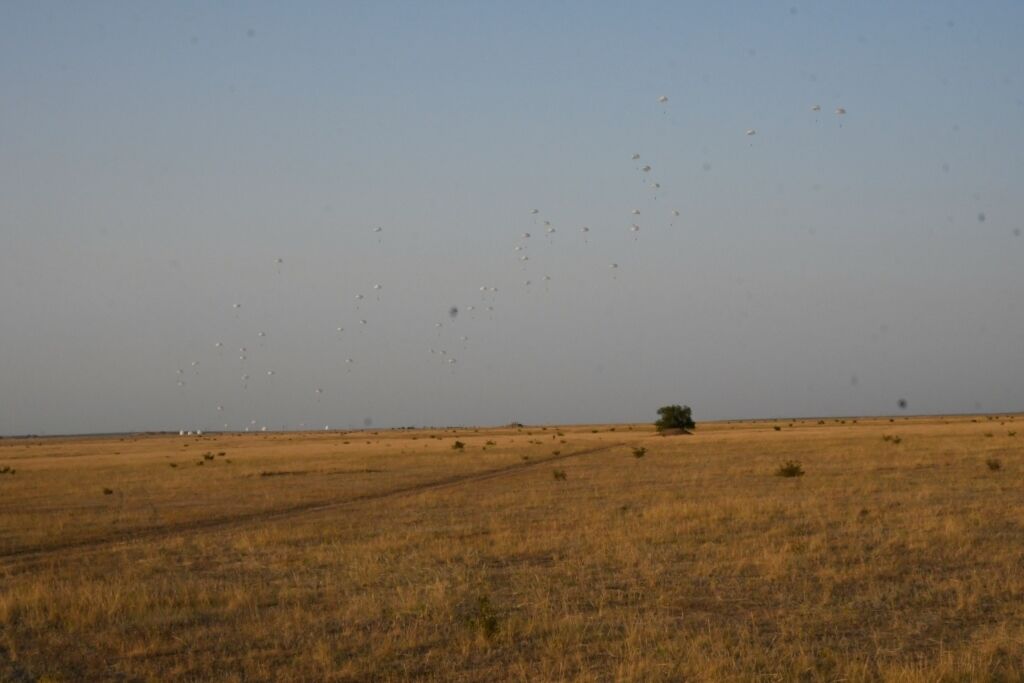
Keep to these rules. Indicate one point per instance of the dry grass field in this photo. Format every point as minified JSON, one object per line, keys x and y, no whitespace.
{"x":533,"y":554}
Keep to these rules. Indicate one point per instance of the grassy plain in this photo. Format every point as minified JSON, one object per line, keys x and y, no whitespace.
{"x":391,"y":555}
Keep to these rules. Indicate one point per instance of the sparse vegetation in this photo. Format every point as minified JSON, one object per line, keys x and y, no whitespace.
{"x":559,"y":475}
{"x":639,"y":452}
{"x":499,"y":573}
{"x":994,"y":464}
{"x":458,"y":446}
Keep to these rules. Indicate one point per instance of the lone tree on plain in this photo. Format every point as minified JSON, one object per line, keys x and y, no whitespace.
{"x":675,"y":417}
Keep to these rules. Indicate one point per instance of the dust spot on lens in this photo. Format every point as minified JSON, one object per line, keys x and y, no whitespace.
{"x":453,"y":311}
{"x":902,"y":403}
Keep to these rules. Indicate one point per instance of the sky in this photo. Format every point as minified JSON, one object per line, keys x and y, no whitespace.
{"x":161,"y":163}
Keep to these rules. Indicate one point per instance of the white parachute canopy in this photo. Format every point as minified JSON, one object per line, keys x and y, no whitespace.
{"x":646,"y":169}
{"x":840,"y":111}
{"x":816,"y":107}
{"x":378,"y":229}
{"x":635,"y":156}
{"x":534,"y":211}
{"x":663,"y":99}
{"x":751,"y":131}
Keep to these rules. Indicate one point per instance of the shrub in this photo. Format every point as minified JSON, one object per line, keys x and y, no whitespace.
{"x":777,"y":428}
{"x":639,"y":452}
{"x":790,"y":468}
{"x":108,"y":492}
{"x":6,"y":469}
{"x":458,"y":446}
{"x":994,"y":464}
{"x":559,"y":475}
{"x":481,"y":616}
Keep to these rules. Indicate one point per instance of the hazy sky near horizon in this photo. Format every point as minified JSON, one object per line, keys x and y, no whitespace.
{"x":157,"y":160}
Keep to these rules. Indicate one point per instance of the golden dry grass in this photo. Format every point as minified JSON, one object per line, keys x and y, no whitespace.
{"x":886,"y":561}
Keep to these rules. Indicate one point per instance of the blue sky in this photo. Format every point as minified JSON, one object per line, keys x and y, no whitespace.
{"x":158,"y":160}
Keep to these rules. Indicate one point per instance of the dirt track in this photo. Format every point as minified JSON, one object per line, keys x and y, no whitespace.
{"x":34,"y":555}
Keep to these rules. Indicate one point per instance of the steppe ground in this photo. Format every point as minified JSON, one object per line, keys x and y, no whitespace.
{"x":534,"y":554}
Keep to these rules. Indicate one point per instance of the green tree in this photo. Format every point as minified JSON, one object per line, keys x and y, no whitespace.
{"x":675,"y":417}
